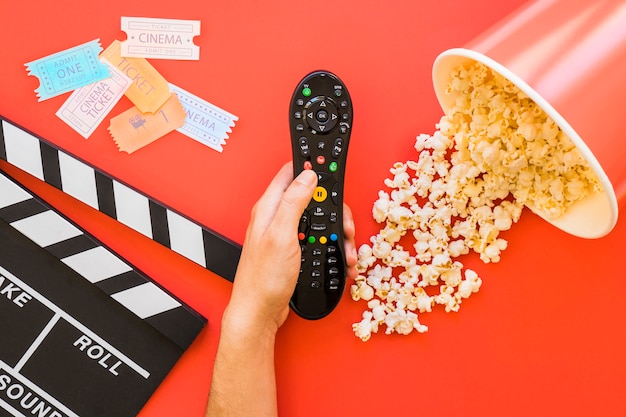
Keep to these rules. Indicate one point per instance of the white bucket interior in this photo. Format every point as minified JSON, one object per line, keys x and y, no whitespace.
{"x":592,"y":217}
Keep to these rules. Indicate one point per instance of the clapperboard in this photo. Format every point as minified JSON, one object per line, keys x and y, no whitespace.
{"x":83,"y":332}
{"x":142,"y":213}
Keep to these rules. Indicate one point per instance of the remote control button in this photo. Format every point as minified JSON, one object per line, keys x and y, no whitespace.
{"x":304,"y":146}
{"x":315,"y":284}
{"x":300,"y":127}
{"x":318,"y":227}
{"x":297,"y":115}
{"x":306,"y":91}
{"x":322,"y":176}
{"x":304,"y":223}
{"x":307,"y":165}
{"x":333,"y":237}
{"x":301,"y":236}
{"x":318,"y":212}
{"x":337,"y":148}
{"x":316,"y":252}
{"x":334,"y":194}
{"x":320,"y":194}
{"x":333,"y":271}
{"x":316,"y":273}
{"x":320,"y":160}
{"x":321,"y":116}
{"x":332,"y":260}
{"x":334,"y":282}
{"x":311,"y":239}
{"x":333,"y":217}
{"x":316,"y":262}
{"x":331,"y":249}
{"x":332,"y":167}
{"x":323,"y":240}
{"x":299,"y":102}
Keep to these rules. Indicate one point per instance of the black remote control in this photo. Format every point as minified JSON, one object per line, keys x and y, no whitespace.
{"x":320,"y":120}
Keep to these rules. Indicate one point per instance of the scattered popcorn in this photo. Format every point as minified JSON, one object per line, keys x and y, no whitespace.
{"x":361,"y":291}
{"x":494,"y":153}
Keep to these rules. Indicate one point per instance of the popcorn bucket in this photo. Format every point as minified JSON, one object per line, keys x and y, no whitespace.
{"x":569,"y":56}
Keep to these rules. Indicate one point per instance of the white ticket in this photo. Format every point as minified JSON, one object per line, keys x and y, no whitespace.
{"x":86,"y":107}
{"x":160,"y":38}
{"x":205,"y":122}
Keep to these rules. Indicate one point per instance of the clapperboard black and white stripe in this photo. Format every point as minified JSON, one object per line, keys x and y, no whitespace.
{"x":97,"y":264}
{"x":142,"y":213}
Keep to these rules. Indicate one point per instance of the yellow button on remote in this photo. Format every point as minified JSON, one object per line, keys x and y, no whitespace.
{"x":320,"y":194}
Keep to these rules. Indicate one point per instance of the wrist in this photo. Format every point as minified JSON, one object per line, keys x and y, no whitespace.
{"x":244,"y":323}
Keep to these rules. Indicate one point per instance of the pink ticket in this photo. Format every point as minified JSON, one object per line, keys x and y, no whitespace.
{"x":87,"y":107}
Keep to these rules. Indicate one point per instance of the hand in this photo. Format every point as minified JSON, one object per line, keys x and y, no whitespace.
{"x":270,"y":259}
{"x":244,"y":380}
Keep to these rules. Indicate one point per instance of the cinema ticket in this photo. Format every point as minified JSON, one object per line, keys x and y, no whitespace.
{"x":160,"y":38}
{"x":87,"y":107}
{"x":67,"y":70}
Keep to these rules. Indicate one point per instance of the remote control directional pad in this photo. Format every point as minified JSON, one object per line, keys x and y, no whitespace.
{"x":321,"y":114}
{"x":320,"y":125}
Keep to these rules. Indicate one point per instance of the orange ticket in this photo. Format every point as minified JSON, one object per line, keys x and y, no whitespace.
{"x":149,"y":90}
{"x":134,"y":129}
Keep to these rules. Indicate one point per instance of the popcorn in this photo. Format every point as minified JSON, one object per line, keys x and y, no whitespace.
{"x":494,"y":152}
{"x":403,"y":322}
{"x":361,"y":291}
{"x":365,"y":327}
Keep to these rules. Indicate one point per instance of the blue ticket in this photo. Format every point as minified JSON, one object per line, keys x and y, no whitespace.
{"x":68,"y":70}
{"x":205,"y":122}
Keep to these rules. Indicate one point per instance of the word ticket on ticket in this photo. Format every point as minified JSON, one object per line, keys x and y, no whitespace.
{"x":148,"y":90}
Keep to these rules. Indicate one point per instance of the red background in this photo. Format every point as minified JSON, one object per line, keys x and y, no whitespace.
{"x":546,"y":334}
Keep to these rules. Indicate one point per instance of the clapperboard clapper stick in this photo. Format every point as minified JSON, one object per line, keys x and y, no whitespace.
{"x":142,"y":213}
